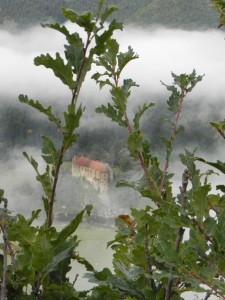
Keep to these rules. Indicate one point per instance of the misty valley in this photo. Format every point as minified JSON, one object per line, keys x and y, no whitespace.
{"x":112,"y":151}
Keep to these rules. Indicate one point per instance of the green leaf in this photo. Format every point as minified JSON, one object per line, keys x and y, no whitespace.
{"x":102,"y":39}
{"x":126,"y":287}
{"x":200,"y":201}
{"x":74,"y":51}
{"x":73,"y":39}
{"x":84,"y":20}
{"x":42,"y":252}
{"x":84,"y":262}
{"x":221,"y":188}
{"x":61,"y":70}
{"x":218,"y":165}
{"x":44,"y":179}
{"x":61,"y":28}
{"x":109,"y":57}
{"x":139,"y":114}
{"x":72,"y":226}
{"x":139,"y":256}
{"x":35,"y":215}
{"x":219,"y":231}
{"x":168,"y":144}
{"x":21,"y":231}
{"x":220,"y":127}
{"x":134,"y":143}
{"x":173,"y":102}
{"x":37,"y":105}
{"x":56,"y":260}
{"x":111,"y":54}
{"x":108,"y":11}
{"x":125,"y":58}
{"x":186,"y":82}
{"x":121,"y":94}
{"x":112,"y":113}
{"x":103,"y":275}
{"x":49,"y":153}
{"x":74,"y":55}
{"x":72,"y":121}
{"x":189,"y":161}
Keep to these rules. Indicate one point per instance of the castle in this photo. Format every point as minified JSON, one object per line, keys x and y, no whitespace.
{"x":99,"y":174}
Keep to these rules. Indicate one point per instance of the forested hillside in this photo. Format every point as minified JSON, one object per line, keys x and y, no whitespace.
{"x":21,"y":127}
{"x":177,"y":13}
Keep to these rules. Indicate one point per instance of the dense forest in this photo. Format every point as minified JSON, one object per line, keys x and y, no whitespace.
{"x":184,"y":14}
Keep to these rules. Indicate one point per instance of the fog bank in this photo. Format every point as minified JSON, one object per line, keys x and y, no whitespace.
{"x":160,"y":51}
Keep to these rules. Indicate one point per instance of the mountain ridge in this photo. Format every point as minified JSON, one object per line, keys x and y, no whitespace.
{"x":182,"y":14}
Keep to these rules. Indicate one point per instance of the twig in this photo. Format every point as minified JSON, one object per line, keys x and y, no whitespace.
{"x":5,"y":252}
{"x":202,"y":231}
{"x":139,"y":154}
{"x":148,"y":258}
{"x":75,"y":279}
{"x":62,"y":151}
{"x":76,"y":89}
{"x":217,"y":292}
{"x":181,"y":230}
{"x":208,"y":294}
{"x":51,"y":200}
{"x":172,"y":138}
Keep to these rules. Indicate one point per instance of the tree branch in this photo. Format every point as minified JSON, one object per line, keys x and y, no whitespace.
{"x":5,"y":248}
{"x":62,"y":151}
{"x":173,"y":137}
{"x":215,"y":290}
{"x":148,"y":259}
{"x":181,"y":230}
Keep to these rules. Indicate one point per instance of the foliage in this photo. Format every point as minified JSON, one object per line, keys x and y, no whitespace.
{"x":219,"y":5}
{"x":174,"y":244}
{"x":40,"y":255}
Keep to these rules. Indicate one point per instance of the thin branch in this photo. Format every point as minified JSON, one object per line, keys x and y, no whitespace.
{"x":202,"y":231}
{"x":84,"y":59}
{"x":130,"y":131}
{"x":173,"y":137}
{"x":181,"y":230}
{"x":75,"y":279}
{"x":62,"y":151}
{"x":208,"y":294}
{"x":5,"y":248}
{"x":51,"y":200}
{"x":150,"y":181}
{"x":148,"y":259}
{"x":215,"y":290}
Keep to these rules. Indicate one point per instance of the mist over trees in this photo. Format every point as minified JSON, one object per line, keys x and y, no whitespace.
{"x":22,"y":127}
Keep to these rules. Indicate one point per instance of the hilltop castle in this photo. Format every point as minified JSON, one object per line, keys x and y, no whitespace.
{"x":99,"y":174}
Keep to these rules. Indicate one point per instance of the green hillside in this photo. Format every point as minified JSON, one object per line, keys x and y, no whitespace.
{"x":174,"y":13}
{"x":177,"y":13}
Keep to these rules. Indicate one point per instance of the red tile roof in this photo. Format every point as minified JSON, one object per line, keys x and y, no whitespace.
{"x":92,"y":164}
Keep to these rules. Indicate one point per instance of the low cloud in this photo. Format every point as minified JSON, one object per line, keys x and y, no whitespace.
{"x":160,"y":51}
